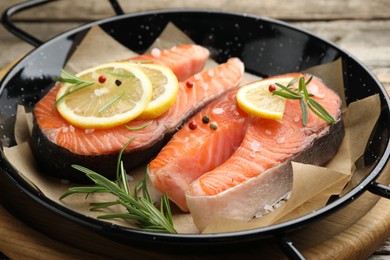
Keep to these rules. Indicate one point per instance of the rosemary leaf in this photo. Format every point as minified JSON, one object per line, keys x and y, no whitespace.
{"x":109,"y":185}
{"x":320,"y":111}
{"x":111,"y":102}
{"x":121,"y":215}
{"x":124,"y":179}
{"x":305,"y":114}
{"x":292,"y":82}
{"x":309,"y":80}
{"x":166,"y":208}
{"x":287,"y":89}
{"x":118,"y":164}
{"x":286,"y":95}
{"x":87,"y":190}
{"x":139,"y":127}
{"x":145,"y":191}
{"x":101,"y":205}
{"x":302,"y":87}
{"x":80,"y":87}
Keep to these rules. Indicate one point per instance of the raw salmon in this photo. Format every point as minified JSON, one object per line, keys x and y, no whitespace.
{"x":192,"y":152}
{"x":259,"y":172}
{"x":57,"y":144}
{"x":184,"y":60}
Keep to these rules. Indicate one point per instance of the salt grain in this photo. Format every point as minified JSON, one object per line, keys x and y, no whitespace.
{"x":89,"y":131}
{"x":217,"y":111}
{"x":255,"y":146}
{"x":281,"y":140}
{"x":100,"y":91}
{"x":156,"y":52}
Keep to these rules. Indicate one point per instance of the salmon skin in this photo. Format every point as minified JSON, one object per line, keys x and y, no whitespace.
{"x":192,"y":152}
{"x":57,"y":145}
{"x":259,"y":173}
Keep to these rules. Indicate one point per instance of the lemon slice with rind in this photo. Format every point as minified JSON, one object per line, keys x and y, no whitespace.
{"x":114,"y":94}
{"x":165,"y":88}
{"x":257,"y":99}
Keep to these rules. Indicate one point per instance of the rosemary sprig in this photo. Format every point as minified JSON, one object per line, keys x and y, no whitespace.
{"x":70,"y":78}
{"x":135,"y":128}
{"x":111,"y":102}
{"x":140,"y":209}
{"x":305,"y":99}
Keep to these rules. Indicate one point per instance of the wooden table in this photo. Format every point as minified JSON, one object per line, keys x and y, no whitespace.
{"x":360,"y":27}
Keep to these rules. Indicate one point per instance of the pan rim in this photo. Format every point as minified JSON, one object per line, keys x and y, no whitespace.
{"x":159,"y":237}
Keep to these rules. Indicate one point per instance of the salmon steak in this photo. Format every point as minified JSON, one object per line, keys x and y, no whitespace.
{"x":242,"y":178}
{"x":57,"y":145}
{"x":192,"y":152}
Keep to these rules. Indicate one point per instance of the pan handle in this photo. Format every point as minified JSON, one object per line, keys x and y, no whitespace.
{"x":12,"y":28}
{"x":379,"y":189}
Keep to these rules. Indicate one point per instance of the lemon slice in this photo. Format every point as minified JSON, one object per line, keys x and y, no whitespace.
{"x":114,"y":93}
{"x":257,"y":99}
{"x":165,"y":89}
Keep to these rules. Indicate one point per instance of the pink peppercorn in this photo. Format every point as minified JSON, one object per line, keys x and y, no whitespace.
{"x":192,"y":125}
{"x":102,"y":79}
{"x":189,"y":84}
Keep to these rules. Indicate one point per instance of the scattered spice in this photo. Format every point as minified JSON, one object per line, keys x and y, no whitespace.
{"x":205,"y":119}
{"x":189,"y":84}
{"x":192,"y":125}
{"x":213,"y":126}
{"x":118,"y":82}
{"x":102,"y":79}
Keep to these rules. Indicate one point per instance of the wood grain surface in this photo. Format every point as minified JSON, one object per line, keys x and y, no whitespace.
{"x":360,"y":27}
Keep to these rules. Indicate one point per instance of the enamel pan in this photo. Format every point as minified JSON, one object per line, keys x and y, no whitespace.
{"x":267,"y":47}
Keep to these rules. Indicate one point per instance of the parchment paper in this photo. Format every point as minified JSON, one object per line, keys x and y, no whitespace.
{"x":312,"y":185}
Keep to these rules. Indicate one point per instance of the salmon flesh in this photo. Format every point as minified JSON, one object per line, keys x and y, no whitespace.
{"x":244,"y":166}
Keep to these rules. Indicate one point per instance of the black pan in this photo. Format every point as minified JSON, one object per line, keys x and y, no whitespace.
{"x":267,"y":47}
